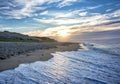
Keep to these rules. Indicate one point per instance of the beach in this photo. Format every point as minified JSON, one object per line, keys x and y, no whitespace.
{"x":42,"y":53}
{"x":94,"y":64}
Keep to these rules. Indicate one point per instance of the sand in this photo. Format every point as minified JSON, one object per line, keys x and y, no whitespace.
{"x":37,"y":55}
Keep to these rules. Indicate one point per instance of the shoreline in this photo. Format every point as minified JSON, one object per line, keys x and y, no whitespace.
{"x":37,"y":55}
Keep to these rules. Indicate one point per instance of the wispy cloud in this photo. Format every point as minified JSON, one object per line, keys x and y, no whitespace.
{"x":108,"y":10}
{"x":44,"y":13}
{"x":94,"y":7}
{"x":76,"y":29}
{"x":22,"y":9}
{"x":26,"y":8}
{"x":84,"y":24}
{"x":100,"y":18}
{"x":4,"y":8}
{"x":83,"y":13}
{"x":61,"y":14}
{"x":66,"y":3}
{"x":3,"y":28}
{"x":58,"y":21}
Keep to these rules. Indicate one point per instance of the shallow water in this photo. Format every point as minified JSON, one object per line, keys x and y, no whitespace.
{"x":92,"y":65}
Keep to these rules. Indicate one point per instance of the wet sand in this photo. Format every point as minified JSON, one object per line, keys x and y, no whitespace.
{"x":37,"y":55}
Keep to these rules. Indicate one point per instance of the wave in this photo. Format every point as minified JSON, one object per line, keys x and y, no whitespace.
{"x":113,"y":49}
{"x":90,"y":65}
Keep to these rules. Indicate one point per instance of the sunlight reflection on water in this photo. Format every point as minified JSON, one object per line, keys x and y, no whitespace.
{"x":58,"y":67}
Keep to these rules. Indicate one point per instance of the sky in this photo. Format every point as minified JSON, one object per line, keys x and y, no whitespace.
{"x":59,"y":17}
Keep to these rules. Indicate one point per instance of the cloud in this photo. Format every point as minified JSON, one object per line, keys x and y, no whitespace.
{"x":58,"y":21}
{"x":26,"y":8}
{"x":94,"y":7}
{"x":83,"y":13}
{"x":4,"y":8}
{"x":115,"y":14}
{"x":61,"y":14}
{"x":108,"y":10}
{"x":95,"y":14}
{"x":90,"y":20}
{"x":51,"y":31}
{"x":33,"y":33}
{"x":66,"y":3}
{"x":3,"y":28}
{"x":99,"y":22}
{"x":69,"y":13}
{"x":21,"y":9}
{"x":44,"y":13}
{"x":76,"y":29}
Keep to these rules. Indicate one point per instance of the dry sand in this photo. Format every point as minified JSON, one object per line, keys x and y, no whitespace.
{"x":38,"y":55}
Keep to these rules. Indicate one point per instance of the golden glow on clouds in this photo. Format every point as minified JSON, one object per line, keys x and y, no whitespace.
{"x":67,"y":31}
{"x":86,"y":24}
{"x":63,"y":33}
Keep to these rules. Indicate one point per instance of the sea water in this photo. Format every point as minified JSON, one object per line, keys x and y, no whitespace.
{"x":94,"y":64}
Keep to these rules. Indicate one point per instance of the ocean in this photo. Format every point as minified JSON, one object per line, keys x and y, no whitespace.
{"x":95,"y":63}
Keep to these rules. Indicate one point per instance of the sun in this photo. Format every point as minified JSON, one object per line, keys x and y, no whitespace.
{"x":63,"y":33}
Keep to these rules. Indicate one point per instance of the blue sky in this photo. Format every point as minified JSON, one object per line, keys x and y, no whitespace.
{"x":47,"y":17}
